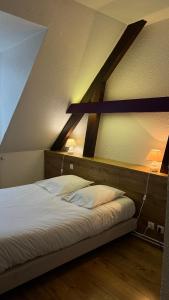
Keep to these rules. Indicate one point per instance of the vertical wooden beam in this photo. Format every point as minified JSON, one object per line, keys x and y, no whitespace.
{"x":111,"y":63}
{"x":93,"y":124}
{"x":165,"y":162}
{"x":91,"y":135}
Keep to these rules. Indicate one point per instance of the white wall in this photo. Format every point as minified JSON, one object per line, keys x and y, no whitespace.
{"x":19,"y":168}
{"x":144,"y":69}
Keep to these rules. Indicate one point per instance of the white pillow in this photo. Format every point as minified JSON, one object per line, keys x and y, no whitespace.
{"x":63,"y":184}
{"x":94,"y":196}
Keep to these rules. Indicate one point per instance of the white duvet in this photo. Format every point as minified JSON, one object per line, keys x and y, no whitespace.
{"x":34,"y":223}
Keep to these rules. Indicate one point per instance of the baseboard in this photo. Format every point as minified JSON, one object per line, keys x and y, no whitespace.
{"x":148,"y":239}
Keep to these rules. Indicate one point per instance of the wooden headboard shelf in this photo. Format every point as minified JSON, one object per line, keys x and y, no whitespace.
{"x":130,"y":178}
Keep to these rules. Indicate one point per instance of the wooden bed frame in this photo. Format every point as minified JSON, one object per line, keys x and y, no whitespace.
{"x":34,"y":268}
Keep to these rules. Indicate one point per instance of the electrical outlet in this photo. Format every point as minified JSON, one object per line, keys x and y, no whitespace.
{"x":150,"y":225}
{"x":71,"y":166}
{"x":160,"y":229}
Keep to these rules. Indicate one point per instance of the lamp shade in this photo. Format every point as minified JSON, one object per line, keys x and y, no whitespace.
{"x":70,"y":143}
{"x":154,"y":155}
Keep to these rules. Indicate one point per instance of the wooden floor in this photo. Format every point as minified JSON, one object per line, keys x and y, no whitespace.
{"x":126,"y":269}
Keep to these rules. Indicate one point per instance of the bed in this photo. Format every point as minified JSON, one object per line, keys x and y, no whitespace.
{"x":40,"y":231}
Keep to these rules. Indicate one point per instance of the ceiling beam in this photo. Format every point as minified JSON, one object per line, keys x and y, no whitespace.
{"x":124,"y":43}
{"x":160,"y":104}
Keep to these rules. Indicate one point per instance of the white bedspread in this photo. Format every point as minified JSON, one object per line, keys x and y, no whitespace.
{"x":34,"y":223}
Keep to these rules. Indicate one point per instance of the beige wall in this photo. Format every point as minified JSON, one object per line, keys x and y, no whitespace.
{"x":143,"y":72}
{"x":21,"y":167}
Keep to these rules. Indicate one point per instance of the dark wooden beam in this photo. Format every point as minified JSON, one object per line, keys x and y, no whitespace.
{"x":66,"y":131}
{"x":93,"y":126}
{"x":165,"y":162}
{"x":91,"y":135}
{"x":124,"y":43}
{"x":111,"y":63}
{"x":122,"y":106}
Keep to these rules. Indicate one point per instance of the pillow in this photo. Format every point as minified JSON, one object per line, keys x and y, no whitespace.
{"x":63,"y":184}
{"x":94,"y":196}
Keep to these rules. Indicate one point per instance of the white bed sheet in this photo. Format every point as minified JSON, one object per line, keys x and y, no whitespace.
{"x":35,"y":223}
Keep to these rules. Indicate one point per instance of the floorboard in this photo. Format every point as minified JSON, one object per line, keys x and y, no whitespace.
{"x":125,"y":269}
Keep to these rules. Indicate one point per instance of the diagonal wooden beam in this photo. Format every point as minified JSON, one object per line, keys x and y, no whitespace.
{"x":160,"y":104}
{"x":109,"y":66}
{"x":124,"y":43}
{"x":165,"y":162}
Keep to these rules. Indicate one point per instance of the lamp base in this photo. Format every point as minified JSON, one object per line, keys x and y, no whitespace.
{"x":70,"y":150}
{"x":154,"y":167}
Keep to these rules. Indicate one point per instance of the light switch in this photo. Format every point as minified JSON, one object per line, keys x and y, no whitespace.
{"x":71,"y":166}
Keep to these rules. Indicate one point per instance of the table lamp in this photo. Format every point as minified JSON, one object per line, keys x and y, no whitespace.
{"x":70,"y":144}
{"x":155,"y":156}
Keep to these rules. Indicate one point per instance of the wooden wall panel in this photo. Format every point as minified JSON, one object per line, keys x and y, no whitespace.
{"x":132,"y":179}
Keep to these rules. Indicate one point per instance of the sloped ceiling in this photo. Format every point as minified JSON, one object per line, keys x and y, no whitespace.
{"x":129,"y":11}
{"x":67,"y":50}
{"x":13,"y":30}
{"x":20,"y":41}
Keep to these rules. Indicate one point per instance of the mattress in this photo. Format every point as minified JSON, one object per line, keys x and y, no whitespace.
{"x":34,"y":223}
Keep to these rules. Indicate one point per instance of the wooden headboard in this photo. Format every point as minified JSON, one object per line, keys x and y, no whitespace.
{"x":130,"y":178}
